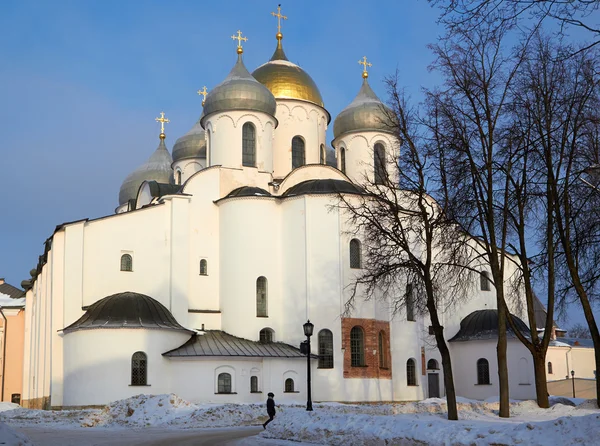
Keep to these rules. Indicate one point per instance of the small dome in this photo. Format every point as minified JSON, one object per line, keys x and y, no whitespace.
{"x":239,"y":91}
{"x":157,"y":168}
{"x":326,"y":186}
{"x":190,"y":145}
{"x":126,"y":310}
{"x":483,"y":325}
{"x":287,"y":80}
{"x":365,"y":112}
{"x":248,"y":191}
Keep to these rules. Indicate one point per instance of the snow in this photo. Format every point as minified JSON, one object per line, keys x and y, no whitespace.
{"x":8,"y":406}
{"x":8,"y":437}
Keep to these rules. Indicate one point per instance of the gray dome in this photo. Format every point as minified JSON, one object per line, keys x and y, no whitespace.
{"x":483,"y":325}
{"x":157,"y":168}
{"x":190,"y":145}
{"x":239,"y":91}
{"x":365,"y":112}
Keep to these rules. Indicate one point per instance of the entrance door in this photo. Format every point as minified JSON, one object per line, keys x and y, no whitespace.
{"x":433,"y":384}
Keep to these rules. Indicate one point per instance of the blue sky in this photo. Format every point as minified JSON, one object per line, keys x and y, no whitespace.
{"x":81,"y":84}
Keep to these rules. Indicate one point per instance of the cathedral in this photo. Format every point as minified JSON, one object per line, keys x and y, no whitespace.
{"x":222,"y":249}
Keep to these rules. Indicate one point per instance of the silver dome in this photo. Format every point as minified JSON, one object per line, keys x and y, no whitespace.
{"x":157,"y":168}
{"x":239,"y":91}
{"x":190,"y":145}
{"x":365,"y":112}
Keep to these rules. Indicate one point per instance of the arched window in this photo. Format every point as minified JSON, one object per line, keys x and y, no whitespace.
{"x":343,"y":160}
{"x":126,"y":262}
{"x":203,"y":267}
{"x":209,"y":160}
{"x":432,"y":364}
{"x":289,"y":385}
{"x":382,"y":341}
{"x":484,"y":281}
{"x":249,"y":145}
{"x":411,"y":372}
{"x":357,"y":347}
{"x":224,"y":383}
{"x":298,"y":158}
{"x":355,"y":254}
{"x":410,"y":303}
{"x":139,"y":369}
{"x":379,"y":163}
{"x":325,"y":349}
{"x":322,"y":155}
{"x":550,"y":368}
{"x":266,"y":335}
{"x":261,"y":297}
{"x":483,"y":371}
{"x":254,"y":384}
{"x":178,"y":179}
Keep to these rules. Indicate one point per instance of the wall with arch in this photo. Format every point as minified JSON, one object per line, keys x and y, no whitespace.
{"x":187,"y":167}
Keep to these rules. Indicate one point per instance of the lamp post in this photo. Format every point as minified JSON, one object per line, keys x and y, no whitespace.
{"x":308,"y":331}
{"x":573,"y":381}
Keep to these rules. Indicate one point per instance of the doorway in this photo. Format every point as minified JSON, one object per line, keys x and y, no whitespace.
{"x":433,"y":384}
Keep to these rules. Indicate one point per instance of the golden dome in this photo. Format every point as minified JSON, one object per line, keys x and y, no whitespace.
{"x":287,"y":80}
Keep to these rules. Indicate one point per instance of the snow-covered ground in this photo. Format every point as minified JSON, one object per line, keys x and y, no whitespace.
{"x":567,"y":422}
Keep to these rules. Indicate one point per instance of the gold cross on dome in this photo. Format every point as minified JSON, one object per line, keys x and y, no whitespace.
{"x":203,"y":93}
{"x":162,"y":121}
{"x":279,"y":17}
{"x":365,"y":64}
{"x":240,"y":39}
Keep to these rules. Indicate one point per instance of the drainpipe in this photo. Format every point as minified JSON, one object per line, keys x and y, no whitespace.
{"x":3,"y":351}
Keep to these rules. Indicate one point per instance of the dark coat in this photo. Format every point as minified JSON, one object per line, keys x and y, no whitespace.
{"x":271,"y":406}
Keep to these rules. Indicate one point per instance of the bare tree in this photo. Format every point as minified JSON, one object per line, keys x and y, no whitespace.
{"x":579,"y":331}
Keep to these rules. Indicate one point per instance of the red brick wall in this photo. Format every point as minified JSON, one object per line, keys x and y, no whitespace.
{"x":371,"y":328}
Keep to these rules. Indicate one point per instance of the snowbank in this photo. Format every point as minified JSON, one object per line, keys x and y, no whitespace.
{"x":8,"y":406}
{"x":9,"y":437}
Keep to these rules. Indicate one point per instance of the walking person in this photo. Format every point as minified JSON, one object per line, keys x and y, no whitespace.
{"x":270,"y":408}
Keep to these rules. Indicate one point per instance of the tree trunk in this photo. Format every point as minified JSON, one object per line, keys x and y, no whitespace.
{"x":589,"y":317}
{"x":541,"y":385}
{"x":502,"y":364}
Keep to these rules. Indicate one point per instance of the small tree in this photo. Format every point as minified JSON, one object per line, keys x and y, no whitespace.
{"x":579,"y":331}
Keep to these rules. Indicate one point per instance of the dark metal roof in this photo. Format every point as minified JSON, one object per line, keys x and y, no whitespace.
{"x":576,"y":342}
{"x":327,"y":186}
{"x":248,"y":191}
{"x":126,"y":310}
{"x":11,"y":291}
{"x":160,"y":189}
{"x":220,"y":343}
{"x":483,"y":325}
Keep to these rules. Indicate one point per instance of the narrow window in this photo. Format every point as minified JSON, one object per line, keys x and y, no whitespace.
{"x":355,"y":254}
{"x":289,"y":385}
{"x":432,"y":364}
{"x":265,"y":335}
{"x":379,"y":163}
{"x":411,"y":372}
{"x":249,"y":145}
{"x":254,"y":384}
{"x":382,"y":350}
{"x":550,"y":368}
{"x":483,"y":371}
{"x":179,"y":177}
{"x":298,"y":158}
{"x":343,"y":160}
{"x":203,"y":267}
{"x":325,"y":349}
{"x":224,"y":383}
{"x":484,"y":281}
{"x":139,"y":369}
{"x":209,"y":159}
{"x":322,"y":155}
{"x":126,"y":262}
{"x":357,"y":347}
{"x":410,"y":303}
{"x":261,"y":297}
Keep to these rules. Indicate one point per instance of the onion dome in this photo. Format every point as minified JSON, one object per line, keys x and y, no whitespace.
{"x":157,"y":168}
{"x":239,"y":91}
{"x":190,"y":145}
{"x":366,"y":112}
{"x":286,"y":80}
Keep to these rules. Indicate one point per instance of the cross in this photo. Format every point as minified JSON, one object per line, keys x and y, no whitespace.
{"x":365,"y":64}
{"x":203,"y":93}
{"x":162,"y":121}
{"x":240,"y":39}
{"x":279,"y":17}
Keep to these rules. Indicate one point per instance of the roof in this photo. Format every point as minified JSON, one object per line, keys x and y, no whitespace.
{"x":220,"y":343}
{"x":539,"y":311}
{"x":11,"y":302}
{"x":161,"y":189}
{"x":11,"y":291}
{"x":248,"y":191}
{"x":126,"y":310}
{"x":573,"y":342}
{"x":327,"y":186}
{"x":483,"y":325}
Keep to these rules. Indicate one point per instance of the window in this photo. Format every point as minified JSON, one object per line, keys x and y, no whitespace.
{"x":325,"y":349}
{"x":261,"y":297}
{"x":209,"y":160}
{"x":410,"y":303}
{"x":411,"y":372}
{"x":355,"y":257}
{"x":382,"y":350}
{"x":126,"y":262}
{"x":322,"y":155}
{"x":432,"y":364}
{"x":379,"y":163}
{"x":289,"y":385}
{"x":139,"y":369}
{"x":298,"y":158}
{"x":15,"y":398}
{"x":483,"y":371}
{"x":550,"y":368}
{"x":484,"y":281}
{"x":249,"y":145}
{"x":203,"y":267}
{"x":178,"y":181}
{"x":266,"y":335}
{"x":224,"y":383}
{"x":357,"y":347}
{"x":254,"y":384}
{"x":343,"y":160}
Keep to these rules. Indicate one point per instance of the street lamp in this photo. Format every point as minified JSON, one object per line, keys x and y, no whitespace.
{"x":308,"y":331}
{"x":573,"y":381}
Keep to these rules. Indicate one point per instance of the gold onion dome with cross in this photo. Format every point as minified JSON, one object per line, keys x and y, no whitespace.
{"x":285,"y":79}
